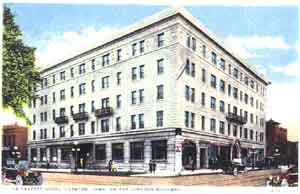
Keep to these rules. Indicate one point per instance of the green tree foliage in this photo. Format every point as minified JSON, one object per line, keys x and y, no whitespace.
{"x":20,"y":76}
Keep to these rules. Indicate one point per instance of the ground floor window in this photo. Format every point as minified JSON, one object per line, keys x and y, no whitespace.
{"x":43,"y":155}
{"x":65,"y":154}
{"x":137,"y":151}
{"x":33,"y":153}
{"x":53,"y":154}
{"x":100,"y":152}
{"x":159,"y":150}
{"x":117,"y":151}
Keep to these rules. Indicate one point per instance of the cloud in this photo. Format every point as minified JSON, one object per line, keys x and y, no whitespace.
{"x":283,"y":105}
{"x":292,"y":69}
{"x":62,"y":46}
{"x":246,"y":46}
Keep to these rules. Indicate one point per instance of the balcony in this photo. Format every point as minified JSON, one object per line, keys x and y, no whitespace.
{"x":61,"y":120}
{"x":104,"y":112}
{"x":81,"y":116}
{"x":231,"y":117}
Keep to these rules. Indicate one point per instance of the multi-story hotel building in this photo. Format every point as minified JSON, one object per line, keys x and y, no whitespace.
{"x":165,"y":90}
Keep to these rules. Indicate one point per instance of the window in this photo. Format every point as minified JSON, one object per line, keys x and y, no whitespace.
{"x":71,"y":131}
{"x":222,"y":86}
{"x":134,"y":73}
{"x":193,"y":70}
{"x":62,"y":95}
{"x":119,"y":56}
{"x":160,"y":92}
{"x":235,"y":93}
{"x":251,"y":134}
{"x":203,"y":77}
{"x":213,"y":103}
{"x":229,"y":90}
{"x":222,"y":64}
{"x":42,"y":116}
{"x":82,"y":107}
{"x":53,"y":132}
{"x":133,"y":97}
{"x":221,"y":127}
{"x":194,"y":44}
{"x":141,"y":93}
{"x":93,"y":64}
{"x":104,"y":102}
{"x":133,"y":122}
{"x":241,"y":132}
{"x":117,"y":151}
{"x":246,"y":98}
{"x":241,"y":95}
{"x":92,"y":127}
{"x":222,"y":106}
{"x":192,"y":94}
{"x":118,"y":78}
{"x":62,"y":112}
{"x":92,"y":106}
{"x":228,"y":129}
{"x":188,"y":41}
{"x":104,"y":125}
{"x":213,"y":58}
{"x":229,"y":69}
{"x":203,"y":122}
{"x":119,"y":103}
{"x":203,"y":99}
{"x":118,"y":124}
{"x":53,"y":114}
{"x":186,"y":119}
{"x":82,"y":89}
{"x":93,"y":85}
{"x":160,"y":66}
{"x":53,"y":97}
{"x":251,"y":118}
{"x":53,"y":79}
{"x":45,"y":99}
{"x":142,"y":46}
{"x":33,"y":135}
{"x":203,"y":51}
{"x":213,"y":125}
{"x":160,"y":40}
{"x":236,"y":73}
{"x":246,"y":81}
{"x":133,"y":49}
{"x":42,"y":100}
{"x":252,"y":101}
{"x":141,"y":121}
{"x":33,"y":119}
{"x":105,"y":60}
{"x":62,"y":75}
{"x":105,"y":83}
{"x":82,"y":68}
{"x":72,"y":72}
{"x":72,"y":91}
{"x":187,"y":67}
{"x":159,"y":118}
{"x":252,"y":84}
{"x":246,"y":115}
{"x":159,"y":150}
{"x":192,"y":120}
{"x":142,"y":71}
{"x":81,"y":128}
{"x":62,"y":132}
{"x":100,"y":150}
{"x":213,"y":81}
{"x":234,"y":130}
{"x":72,"y":110}
{"x":187,"y":93}
{"x":136,"y":150}
{"x":245,"y":133}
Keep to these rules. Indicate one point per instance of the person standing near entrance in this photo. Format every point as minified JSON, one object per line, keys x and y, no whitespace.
{"x":81,"y":162}
{"x":109,"y":165}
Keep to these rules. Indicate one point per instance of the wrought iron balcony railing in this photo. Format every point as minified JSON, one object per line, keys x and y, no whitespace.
{"x":61,"y":120}
{"x":232,"y":117}
{"x":80,"y":116}
{"x":104,"y":112}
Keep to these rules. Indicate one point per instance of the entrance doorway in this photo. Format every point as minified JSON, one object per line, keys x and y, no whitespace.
{"x":202,"y":157}
{"x":189,"y":155}
{"x":82,"y":155}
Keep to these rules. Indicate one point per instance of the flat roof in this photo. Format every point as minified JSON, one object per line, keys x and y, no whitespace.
{"x":158,"y":17}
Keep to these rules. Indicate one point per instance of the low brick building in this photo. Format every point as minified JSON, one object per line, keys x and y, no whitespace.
{"x":276,"y":141}
{"x":14,"y":142}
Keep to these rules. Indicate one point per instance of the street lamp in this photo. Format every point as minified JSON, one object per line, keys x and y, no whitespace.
{"x":75,"y":149}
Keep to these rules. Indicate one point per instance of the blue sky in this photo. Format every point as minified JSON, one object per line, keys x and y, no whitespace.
{"x":266,"y":37}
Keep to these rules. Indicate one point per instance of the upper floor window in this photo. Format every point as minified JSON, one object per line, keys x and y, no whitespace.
{"x":213,"y":103}
{"x":252,"y":84}
{"x":82,"y":107}
{"x":194,"y":44}
{"x":214,"y":58}
{"x":203,"y":77}
{"x":93,"y":85}
{"x":62,"y":75}
{"x":160,"y":92}
{"x":142,"y":71}
{"x":93,"y":64}
{"x":118,"y":78}
{"x":105,"y":82}
{"x":246,"y":81}
{"x":105,"y":60}
{"x":236,"y":73}
{"x":72,"y":91}
{"x":118,"y":124}
{"x":119,"y":56}
{"x":53,"y":79}
{"x":141,"y":121}
{"x":104,"y":125}
{"x":133,"y":49}
{"x":213,"y":81}
{"x":142,"y":46}
{"x":159,"y":118}
{"x":119,"y":102}
{"x":62,"y":95}
{"x":104,"y":102}
{"x":160,"y":66}
{"x":72,"y":72}
{"x":222,"y":86}
{"x":235,"y":92}
{"x":222,"y":64}
{"x":222,"y":106}
{"x":142,"y":96}
{"x":203,"y":51}
{"x":213,"y":125}
{"x":134,"y":73}
{"x":160,"y":40}
{"x":82,"y":68}
{"x":82,"y":89}
{"x":133,"y":97}
{"x":81,"y":128}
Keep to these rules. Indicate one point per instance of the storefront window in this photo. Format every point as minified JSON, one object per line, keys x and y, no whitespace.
{"x":53,"y":154}
{"x":137,"y":151}
{"x":100,"y":152}
{"x":65,"y":154}
{"x":43,"y":156}
{"x":117,"y":151}
{"x":159,"y":150}
{"x":33,"y":153}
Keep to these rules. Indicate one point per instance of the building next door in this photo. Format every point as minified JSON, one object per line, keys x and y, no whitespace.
{"x":189,"y":155}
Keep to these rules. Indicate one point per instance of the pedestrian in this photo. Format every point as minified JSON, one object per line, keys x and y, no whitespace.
{"x":81,"y":162}
{"x":150,"y":166}
{"x":113,"y":166}
{"x":153,"y":166}
{"x":109,"y":165}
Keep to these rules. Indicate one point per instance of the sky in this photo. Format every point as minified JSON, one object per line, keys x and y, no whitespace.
{"x":266,"y":37}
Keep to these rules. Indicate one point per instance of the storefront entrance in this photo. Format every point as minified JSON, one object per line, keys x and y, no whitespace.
{"x":189,"y":155}
{"x":203,"y":158}
{"x":82,"y":154}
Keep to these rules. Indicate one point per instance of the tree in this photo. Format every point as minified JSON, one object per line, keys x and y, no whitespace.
{"x":20,"y":76}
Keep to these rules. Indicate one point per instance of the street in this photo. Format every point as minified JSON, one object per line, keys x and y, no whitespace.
{"x":252,"y":178}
